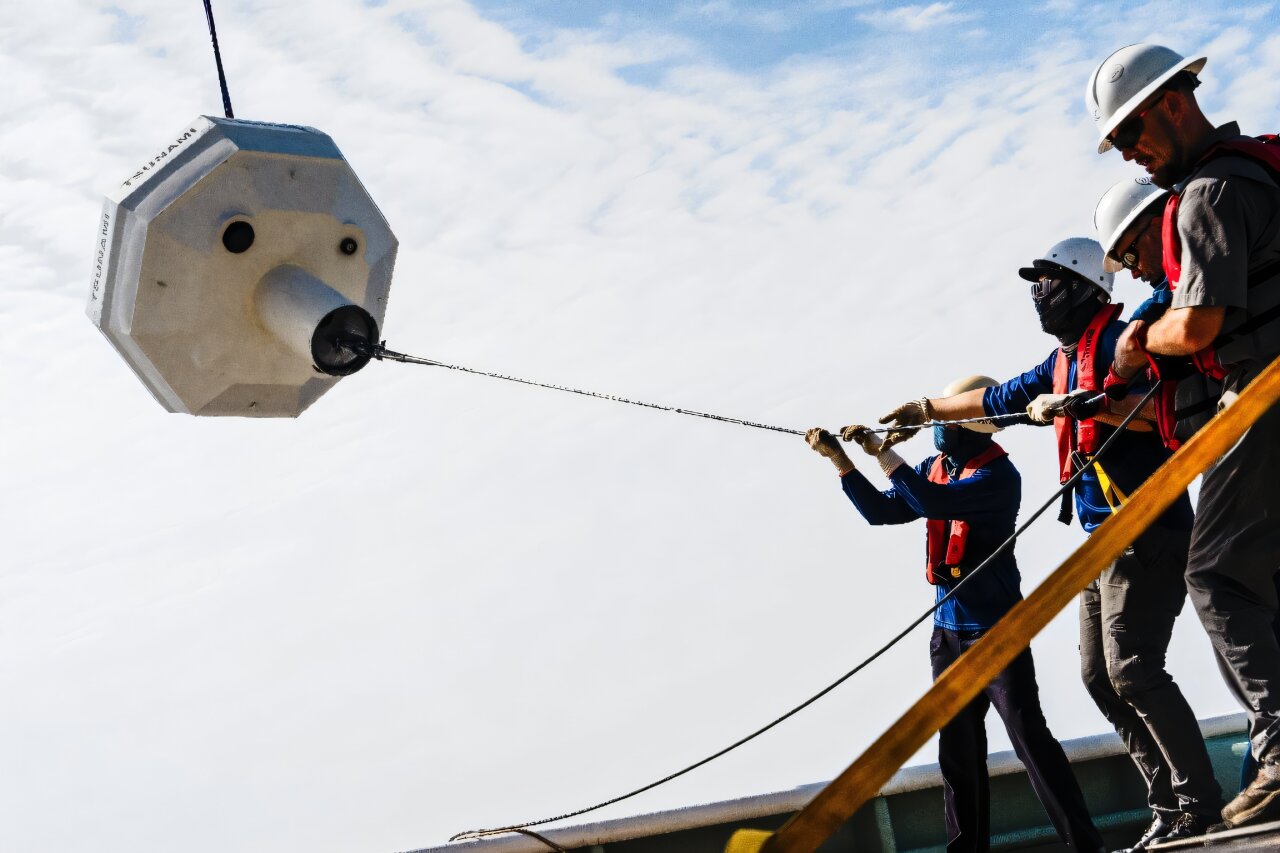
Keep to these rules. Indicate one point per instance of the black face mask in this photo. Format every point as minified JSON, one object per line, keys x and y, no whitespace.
{"x":1066,"y":311}
{"x":960,"y":444}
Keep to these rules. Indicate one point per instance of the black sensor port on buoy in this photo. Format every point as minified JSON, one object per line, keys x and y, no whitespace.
{"x":344,"y":340}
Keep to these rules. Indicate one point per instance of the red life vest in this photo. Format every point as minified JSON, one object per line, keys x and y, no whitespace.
{"x":1167,"y":412}
{"x":1171,"y":371}
{"x":945,"y":540}
{"x":1080,"y":435}
{"x":1265,"y":150}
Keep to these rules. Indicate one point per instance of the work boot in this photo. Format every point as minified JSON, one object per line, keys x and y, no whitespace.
{"x":1258,"y":803}
{"x":1159,"y":828}
{"x":1185,"y":825}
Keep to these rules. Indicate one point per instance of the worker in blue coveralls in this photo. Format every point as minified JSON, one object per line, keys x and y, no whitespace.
{"x":1126,"y":615}
{"x":969,"y":493}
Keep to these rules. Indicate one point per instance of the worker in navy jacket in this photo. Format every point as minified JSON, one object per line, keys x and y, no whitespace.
{"x":1127,"y":614}
{"x":969,"y":495}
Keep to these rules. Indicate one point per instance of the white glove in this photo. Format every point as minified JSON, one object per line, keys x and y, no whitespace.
{"x":1046,"y":407}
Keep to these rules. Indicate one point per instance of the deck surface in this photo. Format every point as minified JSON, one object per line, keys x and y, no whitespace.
{"x":1264,"y":836}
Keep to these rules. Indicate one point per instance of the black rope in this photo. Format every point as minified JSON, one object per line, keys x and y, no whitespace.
{"x":217,"y":58}
{"x":547,"y":841}
{"x":1008,"y":543}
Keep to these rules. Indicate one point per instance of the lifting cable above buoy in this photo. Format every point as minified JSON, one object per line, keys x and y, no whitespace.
{"x":217,"y":58}
{"x":1004,"y":546}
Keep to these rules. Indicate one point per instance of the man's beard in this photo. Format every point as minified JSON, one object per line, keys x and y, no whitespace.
{"x":1167,"y":175}
{"x":1173,"y":170}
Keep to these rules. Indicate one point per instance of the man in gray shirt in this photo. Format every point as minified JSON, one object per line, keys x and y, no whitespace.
{"x":1221,"y":247}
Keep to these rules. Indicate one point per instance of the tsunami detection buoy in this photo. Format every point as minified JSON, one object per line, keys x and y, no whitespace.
{"x":243,"y":270}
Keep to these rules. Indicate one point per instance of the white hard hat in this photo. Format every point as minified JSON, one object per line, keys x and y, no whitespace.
{"x":1118,"y":208}
{"x":1080,"y":255}
{"x":1128,"y":77}
{"x":970,"y":383}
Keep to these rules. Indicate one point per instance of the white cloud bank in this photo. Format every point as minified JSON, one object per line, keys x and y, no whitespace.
{"x":915,"y":19}
{"x":437,"y":601}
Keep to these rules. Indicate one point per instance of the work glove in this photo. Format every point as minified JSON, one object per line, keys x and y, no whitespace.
{"x":870,"y":443}
{"x":825,"y":444}
{"x":1046,"y":407}
{"x":1079,"y":405}
{"x":1083,"y":404}
{"x":875,"y":446}
{"x":905,"y":420}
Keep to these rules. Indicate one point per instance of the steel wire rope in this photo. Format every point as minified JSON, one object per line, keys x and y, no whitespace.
{"x":380,"y":352}
{"x":1070,"y":484}
{"x":217,"y":58}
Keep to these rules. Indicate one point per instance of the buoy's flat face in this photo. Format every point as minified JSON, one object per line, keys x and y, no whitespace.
{"x":187,"y":248}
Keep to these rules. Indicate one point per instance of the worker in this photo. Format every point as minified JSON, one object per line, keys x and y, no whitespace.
{"x":1221,"y":232}
{"x":1128,"y":220}
{"x":970,"y":493}
{"x":1126,"y":614}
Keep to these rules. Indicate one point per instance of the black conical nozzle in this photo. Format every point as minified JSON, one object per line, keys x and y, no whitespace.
{"x":343,"y":341}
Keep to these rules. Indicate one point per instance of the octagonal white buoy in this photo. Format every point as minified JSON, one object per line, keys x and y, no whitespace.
{"x":243,"y":270}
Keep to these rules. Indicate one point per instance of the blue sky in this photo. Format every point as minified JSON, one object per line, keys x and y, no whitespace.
{"x":801,"y":219}
{"x":940,"y":38}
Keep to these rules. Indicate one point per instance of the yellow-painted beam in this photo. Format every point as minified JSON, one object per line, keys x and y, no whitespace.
{"x":966,"y":678}
{"x":747,"y":841}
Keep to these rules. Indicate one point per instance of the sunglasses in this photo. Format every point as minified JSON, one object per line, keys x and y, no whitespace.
{"x":1129,"y":131}
{"x":1042,"y":288}
{"x":1129,"y":257}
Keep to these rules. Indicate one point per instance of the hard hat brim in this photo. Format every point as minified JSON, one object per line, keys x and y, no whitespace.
{"x":987,"y":429}
{"x":1194,"y":65}
{"x":1040,"y":266}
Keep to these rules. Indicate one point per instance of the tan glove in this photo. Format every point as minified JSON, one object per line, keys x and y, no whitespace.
{"x":825,"y":444}
{"x":905,"y":420}
{"x":1046,"y":407}
{"x":873,"y":445}
{"x":864,"y":438}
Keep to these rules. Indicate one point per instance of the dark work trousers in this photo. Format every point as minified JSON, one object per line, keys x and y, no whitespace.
{"x":1126,"y":620}
{"x":1235,"y":553}
{"x":1248,"y":765}
{"x":962,"y":754}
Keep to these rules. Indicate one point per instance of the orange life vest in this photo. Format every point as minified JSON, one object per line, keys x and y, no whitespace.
{"x":1084,"y":436}
{"x":945,"y":540}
